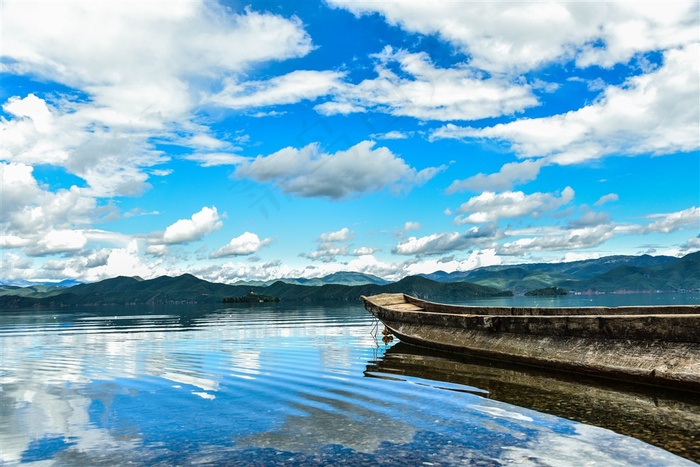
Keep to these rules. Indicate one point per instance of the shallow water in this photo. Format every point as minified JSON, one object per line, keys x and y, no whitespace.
{"x":285,"y":385}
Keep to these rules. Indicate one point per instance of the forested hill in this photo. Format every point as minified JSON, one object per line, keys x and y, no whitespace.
{"x":189,"y":289}
{"x":609,"y":274}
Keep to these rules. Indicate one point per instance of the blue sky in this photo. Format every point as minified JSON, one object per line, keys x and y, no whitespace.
{"x":252,"y":141}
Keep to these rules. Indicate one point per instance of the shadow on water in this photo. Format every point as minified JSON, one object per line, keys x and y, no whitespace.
{"x":667,"y":419}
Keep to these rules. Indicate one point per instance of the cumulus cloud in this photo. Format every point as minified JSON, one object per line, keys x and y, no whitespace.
{"x":127,"y":261}
{"x":441,"y":243}
{"x":426,"y":92}
{"x":653,"y":113}
{"x":591,"y":230}
{"x":327,"y":253}
{"x":365,"y":250}
{"x":489,"y":206}
{"x":122,"y":96}
{"x":693,"y":244}
{"x":511,"y":174}
{"x":331,"y":245}
{"x":183,"y":40}
{"x":157,"y":250}
{"x":520,"y":36}
{"x":579,"y":238}
{"x":29,"y":210}
{"x":409,"y":225}
{"x":670,"y":222}
{"x":342,"y":235}
{"x":201,"y":223}
{"x":309,"y":172}
{"x":59,"y":241}
{"x":245,"y":244}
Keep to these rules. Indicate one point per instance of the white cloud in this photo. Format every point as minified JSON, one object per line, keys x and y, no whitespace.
{"x":128,"y":93}
{"x":15,"y":266}
{"x":521,"y":36}
{"x":510,"y":174}
{"x":32,"y":108}
{"x":365,"y":250}
{"x":426,"y":92}
{"x":201,"y":223}
{"x":126,"y":261}
{"x":308,"y":172}
{"x":59,"y":241}
{"x":327,"y":253}
{"x":489,"y":206}
{"x":394,"y":135}
{"x":245,"y":244}
{"x":441,"y":243}
{"x":28,"y":209}
{"x":205,"y":141}
{"x":410,"y":225}
{"x":586,"y":237}
{"x":342,"y":235}
{"x":157,"y":250}
{"x":610,"y":197}
{"x":654,"y":113}
{"x":287,"y":89}
{"x":107,"y":41}
{"x":330,"y":245}
{"x":338,"y":108}
{"x":666,"y":223}
{"x":693,"y":244}
{"x":214,"y":159}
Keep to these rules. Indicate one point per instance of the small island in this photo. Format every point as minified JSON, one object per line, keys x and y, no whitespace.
{"x":252,"y":297}
{"x":547,"y":292}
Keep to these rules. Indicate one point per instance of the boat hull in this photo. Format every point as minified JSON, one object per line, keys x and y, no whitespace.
{"x":660,"y":348}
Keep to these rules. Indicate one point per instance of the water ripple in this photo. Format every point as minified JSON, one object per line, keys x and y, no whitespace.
{"x":292,"y":385}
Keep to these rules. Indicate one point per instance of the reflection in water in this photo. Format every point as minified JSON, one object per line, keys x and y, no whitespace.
{"x":270,"y":385}
{"x":669,"y":419}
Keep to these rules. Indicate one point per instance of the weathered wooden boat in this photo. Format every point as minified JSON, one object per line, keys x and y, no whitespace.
{"x":657,"y":345}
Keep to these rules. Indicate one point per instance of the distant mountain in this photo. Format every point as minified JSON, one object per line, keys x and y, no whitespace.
{"x":340,"y":278}
{"x":610,"y":273}
{"x":412,"y":285}
{"x":682,"y":274}
{"x":347,"y":278}
{"x":36,"y":289}
{"x":23,"y":283}
{"x":190,"y":289}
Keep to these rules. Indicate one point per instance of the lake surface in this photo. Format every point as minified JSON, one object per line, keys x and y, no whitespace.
{"x":290,"y":384}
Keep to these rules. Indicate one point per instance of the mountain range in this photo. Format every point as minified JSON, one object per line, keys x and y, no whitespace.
{"x":188,"y":289}
{"x":609,"y":274}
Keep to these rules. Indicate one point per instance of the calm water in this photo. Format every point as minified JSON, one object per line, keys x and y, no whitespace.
{"x":302,"y":385}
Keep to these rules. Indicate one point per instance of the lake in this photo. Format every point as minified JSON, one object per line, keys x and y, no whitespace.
{"x":308,"y":384}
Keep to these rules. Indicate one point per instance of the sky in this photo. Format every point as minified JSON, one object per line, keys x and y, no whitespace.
{"x":261,"y":140}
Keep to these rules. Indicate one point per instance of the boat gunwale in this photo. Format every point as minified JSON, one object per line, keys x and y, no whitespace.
{"x":642,"y":310}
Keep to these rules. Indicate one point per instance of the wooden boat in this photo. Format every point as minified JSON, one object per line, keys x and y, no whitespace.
{"x":656,"y":345}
